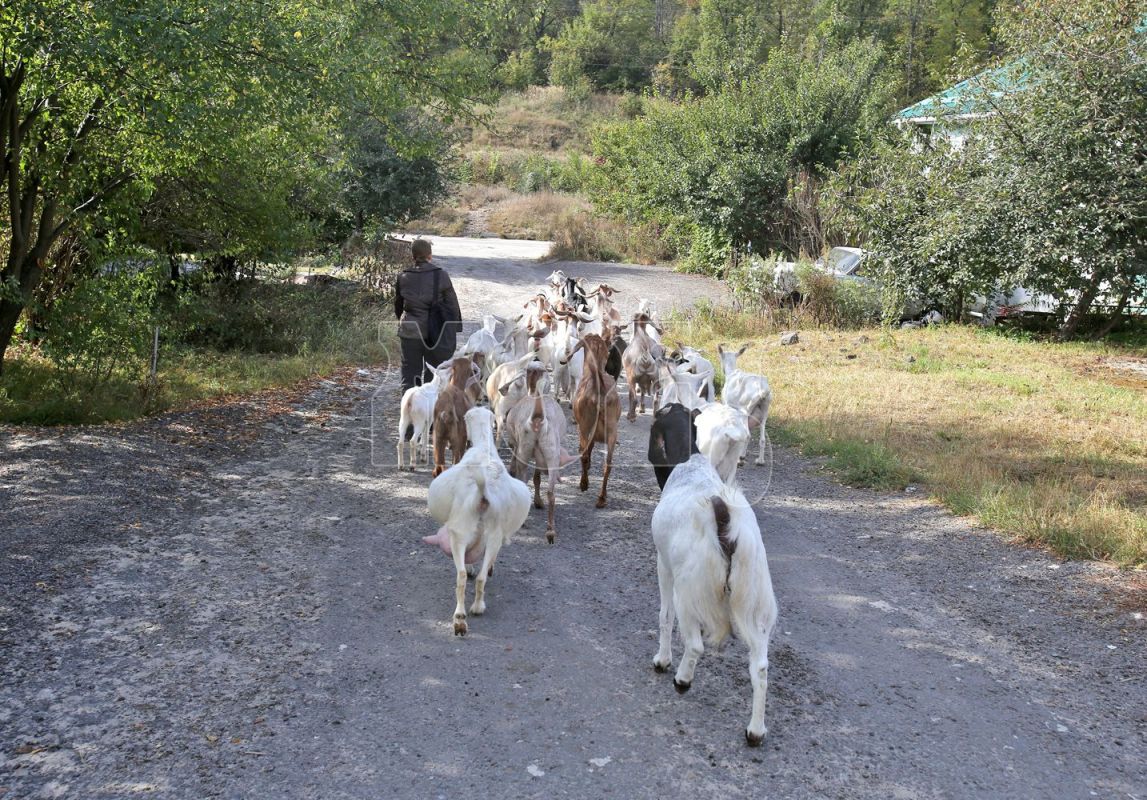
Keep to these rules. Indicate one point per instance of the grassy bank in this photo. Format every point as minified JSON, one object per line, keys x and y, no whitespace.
{"x":1044,"y":441}
{"x":283,"y":334}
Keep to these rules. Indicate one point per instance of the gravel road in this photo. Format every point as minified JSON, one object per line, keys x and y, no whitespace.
{"x":233,"y":602}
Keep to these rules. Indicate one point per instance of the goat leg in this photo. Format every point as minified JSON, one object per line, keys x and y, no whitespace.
{"x":605,"y":474}
{"x":586,"y":454}
{"x":551,"y":532}
{"x":459,"y":589}
{"x":538,"y":488}
{"x":759,"y":675}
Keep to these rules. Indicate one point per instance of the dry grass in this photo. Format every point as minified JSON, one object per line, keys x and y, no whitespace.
{"x":533,"y":216}
{"x":543,"y":118}
{"x":445,"y":219}
{"x":1039,"y":440}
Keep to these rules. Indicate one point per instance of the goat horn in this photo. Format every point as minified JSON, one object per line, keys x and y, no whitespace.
{"x":579,"y":346}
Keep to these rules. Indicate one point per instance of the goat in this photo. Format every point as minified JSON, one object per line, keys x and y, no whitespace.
{"x":567,"y":366}
{"x":537,"y":425}
{"x":679,"y":385}
{"x":723,"y":434}
{"x":480,"y":506}
{"x":416,"y":412}
{"x":603,"y":311}
{"x":713,"y":575}
{"x":645,"y":307}
{"x":501,"y":402}
{"x":641,"y":359}
{"x":672,"y":439}
{"x":748,"y":392}
{"x":555,"y":286}
{"x":596,"y":410}
{"x":617,"y":347}
{"x":699,"y":365}
{"x":449,"y":410}
{"x":483,"y":342}
{"x":574,"y":295}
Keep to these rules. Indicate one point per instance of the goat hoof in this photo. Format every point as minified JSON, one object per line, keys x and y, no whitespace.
{"x":550,"y":535}
{"x":659,"y":667}
{"x":681,"y":688}
{"x":460,"y":626}
{"x":539,"y":504}
{"x":583,"y":485}
{"x":601,"y":502}
{"x":478,"y":610}
{"x":755,"y":739}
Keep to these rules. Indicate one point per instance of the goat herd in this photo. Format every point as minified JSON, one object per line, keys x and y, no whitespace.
{"x":711,"y":565}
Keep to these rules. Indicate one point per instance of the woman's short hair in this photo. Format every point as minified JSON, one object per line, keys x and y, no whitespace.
{"x":420,"y":250}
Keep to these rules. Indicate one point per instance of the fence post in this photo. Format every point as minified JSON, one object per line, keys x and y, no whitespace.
{"x":155,"y":354}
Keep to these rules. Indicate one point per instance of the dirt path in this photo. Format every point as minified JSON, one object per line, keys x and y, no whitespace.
{"x":235,"y":603}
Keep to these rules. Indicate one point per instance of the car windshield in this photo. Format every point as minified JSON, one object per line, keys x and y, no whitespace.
{"x":843,"y":262}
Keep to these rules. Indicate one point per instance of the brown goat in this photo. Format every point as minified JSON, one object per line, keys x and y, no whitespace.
{"x":450,"y":412}
{"x":596,"y":408}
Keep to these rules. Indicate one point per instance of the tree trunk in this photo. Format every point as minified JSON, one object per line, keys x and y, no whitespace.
{"x":9,"y":315}
{"x":1115,"y":317}
{"x":1082,"y":306}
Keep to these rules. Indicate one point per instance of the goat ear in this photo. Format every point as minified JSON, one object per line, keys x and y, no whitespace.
{"x":744,"y":347}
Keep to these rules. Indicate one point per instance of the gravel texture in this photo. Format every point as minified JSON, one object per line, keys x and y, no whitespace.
{"x":234,"y":602}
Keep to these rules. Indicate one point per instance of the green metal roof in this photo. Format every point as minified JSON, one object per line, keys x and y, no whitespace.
{"x":971,"y":97}
{"x":968,"y":97}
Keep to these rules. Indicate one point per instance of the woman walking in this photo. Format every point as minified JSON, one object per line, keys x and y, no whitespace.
{"x":428,"y":316}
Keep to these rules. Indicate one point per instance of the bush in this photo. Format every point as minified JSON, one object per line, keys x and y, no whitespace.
{"x":104,"y":327}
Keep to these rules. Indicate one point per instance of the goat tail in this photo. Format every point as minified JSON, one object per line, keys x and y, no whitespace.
{"x":711,"y":603}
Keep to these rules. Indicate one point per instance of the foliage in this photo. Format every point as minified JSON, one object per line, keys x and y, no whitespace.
{"x":104,"y":327}
{"x":384,"y":186}
{"x":1051,"y":190}
{"x":102,"y":99}
{"x":609,"y":44}
{"x":727,"y":163}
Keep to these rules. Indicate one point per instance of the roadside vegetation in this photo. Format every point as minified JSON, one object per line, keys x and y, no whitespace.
{"x":1041,"y":440}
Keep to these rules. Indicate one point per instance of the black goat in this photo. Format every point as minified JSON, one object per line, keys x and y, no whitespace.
{"x":617,"y":347}
{"x":574,"y":295}
{"x":672,"y":439}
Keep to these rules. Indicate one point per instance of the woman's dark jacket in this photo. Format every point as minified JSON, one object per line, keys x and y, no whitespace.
{"x":412,"y":304}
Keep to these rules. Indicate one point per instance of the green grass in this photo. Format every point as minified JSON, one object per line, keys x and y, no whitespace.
{"x":1039,"y":440}
{"x":340,"y":330}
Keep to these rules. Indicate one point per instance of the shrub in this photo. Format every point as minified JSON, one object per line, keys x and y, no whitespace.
{"x":104,"y":327}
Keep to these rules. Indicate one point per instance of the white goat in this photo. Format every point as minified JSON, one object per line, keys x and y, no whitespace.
{"x":481,"y":506}
{"x":501,"y":403}
{"x":679,"y":385}
{"x":568,"y":362}
{"x":723,"y":436}
{"x":714,"y":576}
{"x":417,"y":411}
{"x":645,"y":307}
{"x":699,"y":365}
{"x":483,"y":342}
{"x":748,"y":392}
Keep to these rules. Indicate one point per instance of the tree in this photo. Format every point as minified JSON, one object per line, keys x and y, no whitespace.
{"x":733,"y":164}
{"x":99,"y":97}
{"x":611,"y":44}
{"x":1051,"y":191}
